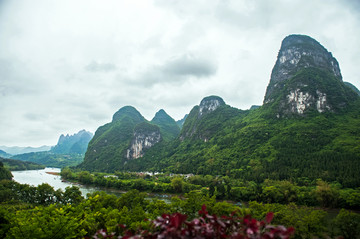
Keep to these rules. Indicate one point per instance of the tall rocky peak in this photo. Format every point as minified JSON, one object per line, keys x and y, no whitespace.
{"x":209,"y":104}
{"x":76,"y":143}
{"x":144,"y":137}
{"x":306,"y":77}
{"x":128,"y":111}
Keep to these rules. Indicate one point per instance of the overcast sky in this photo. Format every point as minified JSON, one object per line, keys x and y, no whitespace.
{"x":68,"y":65}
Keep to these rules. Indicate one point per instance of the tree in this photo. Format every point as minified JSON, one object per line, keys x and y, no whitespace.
{"x":348,"y":224}
{"x":177,"y":184}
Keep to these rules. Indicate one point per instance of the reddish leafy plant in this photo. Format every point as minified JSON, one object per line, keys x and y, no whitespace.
{"x":207,"y":227}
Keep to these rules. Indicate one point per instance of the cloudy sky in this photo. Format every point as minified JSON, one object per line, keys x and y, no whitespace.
{"x":71,"y":64}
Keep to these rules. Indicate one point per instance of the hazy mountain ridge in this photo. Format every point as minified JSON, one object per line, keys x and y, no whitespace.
{"x":22,"y":150}
{"x":73,"y":144}
{"x":69,"y":151}
{"x":4,"y":154}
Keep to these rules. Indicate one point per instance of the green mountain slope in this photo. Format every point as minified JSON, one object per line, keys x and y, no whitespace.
{"x":50,"y":159}
{"x":308,"y":128}
{"x":127,"y":137}
{"x":168,"y":126}
{"x":15,"y":165}
{"x":5,"y":174}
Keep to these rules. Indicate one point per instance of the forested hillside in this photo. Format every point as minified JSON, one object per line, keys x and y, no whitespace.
{"x":307,"y":128}
{"x":15,"y":165}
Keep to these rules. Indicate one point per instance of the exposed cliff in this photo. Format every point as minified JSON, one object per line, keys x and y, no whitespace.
{"x":127,"y":137}
{"x":306,"y":78}
{"x":203,"y":120}
{"x":145,"y":136}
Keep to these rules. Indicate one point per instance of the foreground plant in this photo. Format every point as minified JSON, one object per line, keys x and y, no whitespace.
{"x":206,"y":226}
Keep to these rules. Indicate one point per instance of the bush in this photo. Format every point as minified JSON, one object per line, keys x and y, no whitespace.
{"x":206,"y":226}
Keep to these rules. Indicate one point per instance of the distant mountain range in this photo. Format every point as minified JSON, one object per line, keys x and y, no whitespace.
{"x":22,"y":150}
{"x":73,"y":144}
{"x":307,"y":128}
{"x":69,"y":151}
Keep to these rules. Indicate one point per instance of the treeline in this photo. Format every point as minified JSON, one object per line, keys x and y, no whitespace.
{"x":79,"y":218}
{"x":307,"y":192}
{"x":16,"y":165}
{"x":13,"y":192}
{"x":51,"y":159}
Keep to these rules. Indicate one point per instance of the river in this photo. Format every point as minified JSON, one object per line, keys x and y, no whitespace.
{"x":37,"y":177}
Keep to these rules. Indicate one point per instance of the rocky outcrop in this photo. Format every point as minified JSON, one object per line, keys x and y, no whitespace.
{"x":298,"y":52}
{"x":145,"y":136}
{"x":209,"y":104}
{"x":194,"y":121}
{"x":306,"y":77}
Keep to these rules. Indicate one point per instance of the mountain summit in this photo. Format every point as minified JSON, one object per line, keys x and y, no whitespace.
{"x":306,"y":77}
{"x":168,"y":127}
{"x":76,"y":143}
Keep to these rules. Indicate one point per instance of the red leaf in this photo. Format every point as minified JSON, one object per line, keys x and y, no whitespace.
{"x":269,"y":217}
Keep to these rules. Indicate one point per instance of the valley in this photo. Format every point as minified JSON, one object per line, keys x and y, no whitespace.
{"x":297,"y":156}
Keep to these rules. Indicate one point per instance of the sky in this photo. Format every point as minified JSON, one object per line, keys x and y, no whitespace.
{"x":70,"y":65}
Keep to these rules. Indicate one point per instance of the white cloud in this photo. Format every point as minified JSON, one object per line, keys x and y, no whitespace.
{"x":68,"y":65}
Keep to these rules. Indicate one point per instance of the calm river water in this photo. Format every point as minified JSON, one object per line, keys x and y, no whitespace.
{"x":37,"y":177}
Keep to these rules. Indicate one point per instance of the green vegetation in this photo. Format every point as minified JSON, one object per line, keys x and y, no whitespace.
{"x":250,"y":146}
{"x":168,"y":127}
{"x":308,"y":193}
{"x":108,"y":149}
{"x":50,"y":159}
{"x":16,"y":165}
{"x":42,"y":212}
{"x":4,"y":172}
{"x":4,"y":154}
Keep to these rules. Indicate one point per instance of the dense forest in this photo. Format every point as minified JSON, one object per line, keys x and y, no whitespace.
{"x":42,"y":212}
{"x":16,"y":165}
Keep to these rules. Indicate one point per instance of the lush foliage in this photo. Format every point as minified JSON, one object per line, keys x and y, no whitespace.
{"x":15,"y":165}
{"x":51,"y":159}
{"x":168,"y":127}
{"x":4,"y":172}
{"x":208,"y":226}
{"x":306,"y":192}
{"x":42,"y":212}
{"x":252,"y":147}
{"x":108,"y":149}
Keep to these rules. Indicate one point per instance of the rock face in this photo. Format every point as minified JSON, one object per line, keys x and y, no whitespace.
{"x":209,"y":104}
{"x":306,"y":77}
{"x":127,"y":137}
{"x":145,"y":136}
{"x":198,"y":114}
